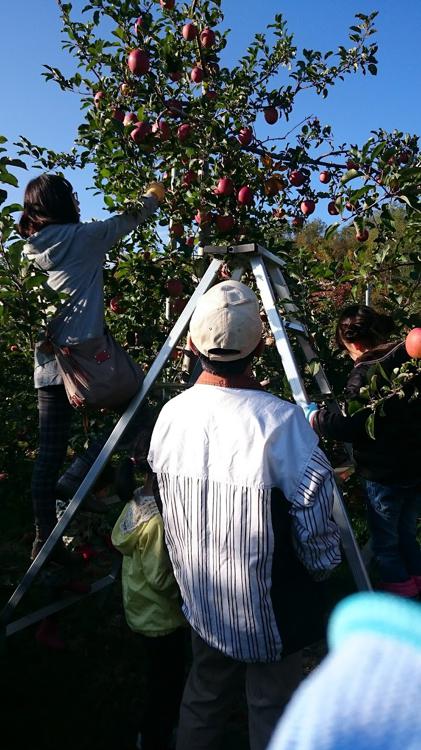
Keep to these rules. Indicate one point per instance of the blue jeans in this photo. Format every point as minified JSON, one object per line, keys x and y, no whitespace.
{"x":392,"y":511}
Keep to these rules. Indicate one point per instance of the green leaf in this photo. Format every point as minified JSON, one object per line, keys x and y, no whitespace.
{"x":353,"y":407}
{"x":351,"y":174}
{"x":119,"y":33}
{"x":383,"y":372}
{"x":330,"y":231}
{"x":369,"y":426}
{"x":17,"y":163}
{"x":8,"y":178}
{"x":378,"y":149}
{"x":411,"y":203}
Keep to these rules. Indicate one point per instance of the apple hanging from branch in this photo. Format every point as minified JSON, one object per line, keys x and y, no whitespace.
{"x":138,"y":62}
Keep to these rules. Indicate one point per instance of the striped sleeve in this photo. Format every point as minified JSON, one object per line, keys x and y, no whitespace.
{"x":315,"y":534}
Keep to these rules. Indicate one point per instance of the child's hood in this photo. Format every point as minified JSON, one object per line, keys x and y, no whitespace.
{"x":125,"y":533}
{"x":49,"y":247}
{"x":135,"y":515}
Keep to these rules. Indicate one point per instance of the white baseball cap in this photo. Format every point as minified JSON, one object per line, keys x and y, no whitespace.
{"x":226,"y":324}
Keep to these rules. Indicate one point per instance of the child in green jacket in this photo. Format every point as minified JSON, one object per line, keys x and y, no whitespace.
{"x":152,"y":607}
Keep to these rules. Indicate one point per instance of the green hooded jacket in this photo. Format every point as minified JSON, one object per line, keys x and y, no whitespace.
{"x":150,"y":593}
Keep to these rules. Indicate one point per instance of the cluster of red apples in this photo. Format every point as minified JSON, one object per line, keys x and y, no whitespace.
{"x":148,"y":135}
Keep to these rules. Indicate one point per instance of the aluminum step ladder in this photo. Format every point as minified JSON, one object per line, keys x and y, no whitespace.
{"x":267,"y":270}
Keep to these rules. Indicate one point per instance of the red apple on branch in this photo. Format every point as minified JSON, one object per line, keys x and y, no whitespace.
{"x":245,"y":136}
{"x":189,"y":32}
{"x":162,"y":129}
{"x":245,"y":195}
{"x":324,"y":177}
{"x":297,"y":222}
{"x":138,"y":62}
{"x":196,"y":76}
{"x":307,"y":207}
{"x":129,"y":119}
{"x":207,"y":37}
{"x":184,"y":132}
{"x":115,"y":305}
{"x":271,"y":115}
{"x":332,"y":208}
{"x":117,"y":114}
{"x":413,"y":343}
{"x":297,"y":178}
{"x":167,"y":4}
{"x":225,"y":186}
{"x":362,"y":235}
{"x":140,"y":132}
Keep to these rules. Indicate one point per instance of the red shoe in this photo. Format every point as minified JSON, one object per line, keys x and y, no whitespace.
{"x":417,"y":580}
{"x":407,"y":589}
{"x":48,"y":635}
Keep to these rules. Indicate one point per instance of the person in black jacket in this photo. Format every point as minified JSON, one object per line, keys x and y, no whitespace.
{"x":389,"y":464}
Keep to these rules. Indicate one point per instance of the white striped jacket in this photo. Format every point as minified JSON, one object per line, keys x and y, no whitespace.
{"x":218,"y":453}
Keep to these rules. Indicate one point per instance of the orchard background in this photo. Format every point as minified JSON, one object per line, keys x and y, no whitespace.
{"x":159,"y":100}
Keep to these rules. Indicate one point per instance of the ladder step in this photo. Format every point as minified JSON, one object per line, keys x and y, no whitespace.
{"x":295,"y":325}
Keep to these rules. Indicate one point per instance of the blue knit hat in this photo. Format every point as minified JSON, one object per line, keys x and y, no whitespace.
{"x":366,"y":695}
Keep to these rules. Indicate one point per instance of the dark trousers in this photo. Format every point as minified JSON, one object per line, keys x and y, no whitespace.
{"x":212,"y":690}
{"x":55,"y":416}
{"x":393,"y":511}
{"x":163,"y":666}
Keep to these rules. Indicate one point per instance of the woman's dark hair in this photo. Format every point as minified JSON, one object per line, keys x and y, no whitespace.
{"x":48,"y":200}
{"x":362,"y":324}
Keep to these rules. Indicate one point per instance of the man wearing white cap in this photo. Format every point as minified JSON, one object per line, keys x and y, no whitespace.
{"x":224,"y":452}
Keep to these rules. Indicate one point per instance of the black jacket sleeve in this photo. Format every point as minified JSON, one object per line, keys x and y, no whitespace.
{"x":344,"y":428}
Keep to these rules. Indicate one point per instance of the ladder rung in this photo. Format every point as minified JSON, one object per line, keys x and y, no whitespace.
{"x":295,"y":325}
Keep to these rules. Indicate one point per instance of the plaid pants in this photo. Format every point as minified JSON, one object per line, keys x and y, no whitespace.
{"x":55,"y":416}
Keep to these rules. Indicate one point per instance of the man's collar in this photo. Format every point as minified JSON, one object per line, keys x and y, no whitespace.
{"x":229,"y":381}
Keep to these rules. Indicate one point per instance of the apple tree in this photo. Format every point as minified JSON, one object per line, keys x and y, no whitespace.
{"x":160,"y":101}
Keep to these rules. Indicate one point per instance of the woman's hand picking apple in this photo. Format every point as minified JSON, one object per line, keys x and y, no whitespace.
{"x":156,"y":189}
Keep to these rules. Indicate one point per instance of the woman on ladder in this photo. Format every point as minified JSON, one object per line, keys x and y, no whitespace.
{"x":72,"y":254}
